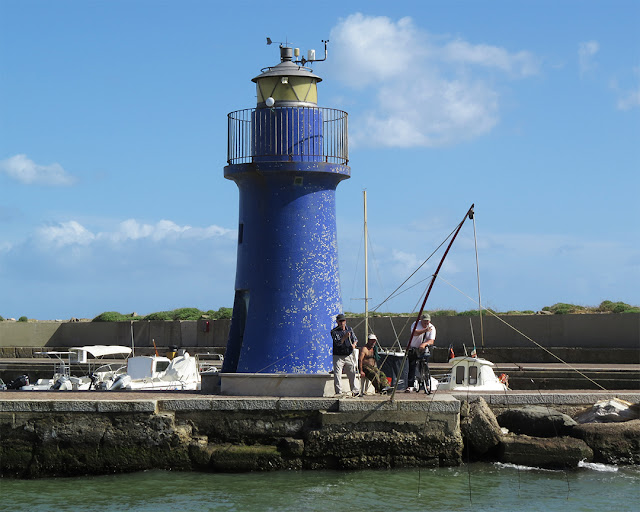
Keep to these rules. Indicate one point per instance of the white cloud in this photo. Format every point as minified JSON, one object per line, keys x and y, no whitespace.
{"x":586,"y":51}
{"x":407,"y":262}
{"x":520,"y":64}
{"x":420,"y":91}
{"x":430,"y":114}
{"x":25,"y":170}
{"x":630,"y":98}
{"x":66,"y":233}
{"x":73,"y":233}
{"x":133,"y":230}
{"x":374,"y":48}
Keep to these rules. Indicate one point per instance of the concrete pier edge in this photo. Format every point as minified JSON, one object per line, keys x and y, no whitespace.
{"x":45,"y":434}
{"x":17,"y":401}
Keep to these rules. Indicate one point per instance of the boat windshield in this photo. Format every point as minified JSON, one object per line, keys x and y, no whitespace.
{"x":161,"y":365}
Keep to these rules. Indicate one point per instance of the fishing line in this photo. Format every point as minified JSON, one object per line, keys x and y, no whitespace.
{"x":274,"y":362}
{"x":467,"y":443}
{"x":506,"y":399}
{"x":424,"y":428}
{"x":421,"y":265}
{"x":555,"y":431}
{"x":394,"y":294}
{"x":528,"y":338}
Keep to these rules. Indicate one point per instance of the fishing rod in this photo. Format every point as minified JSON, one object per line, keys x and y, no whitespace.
{"x":469,"y":215}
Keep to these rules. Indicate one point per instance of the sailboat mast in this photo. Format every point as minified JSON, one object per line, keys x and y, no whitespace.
{"x":366,"y":270}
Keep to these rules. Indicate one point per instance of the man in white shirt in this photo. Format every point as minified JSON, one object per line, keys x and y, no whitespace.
{"x":423,"y":338}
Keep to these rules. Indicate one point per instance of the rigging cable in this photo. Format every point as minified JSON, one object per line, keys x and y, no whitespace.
{"x":392,"y":294}
{"x":530,"y":339}
{"x":475,"y":241}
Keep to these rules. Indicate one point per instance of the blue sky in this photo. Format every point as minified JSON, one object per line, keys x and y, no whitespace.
{"x":113,"y":143}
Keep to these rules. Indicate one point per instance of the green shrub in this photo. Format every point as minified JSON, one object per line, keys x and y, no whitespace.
{"x":444,"y":312}
{"x":186,"y":314}
{"x":616,"y":307}
{"x":160,"y":315}
{"x":113,"y":316}
{"x":562,"y":308}
{"x":223,"y":313}
{"x":470,"y":312}
{"x":23,"y":319}
{"x":1,"y":318}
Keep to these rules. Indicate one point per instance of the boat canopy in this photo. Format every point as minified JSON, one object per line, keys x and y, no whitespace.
{"x":103,"y":350}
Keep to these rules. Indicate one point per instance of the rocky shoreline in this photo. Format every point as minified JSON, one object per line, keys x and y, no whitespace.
{"x":48,"y":437}
{"x":541,"y":436}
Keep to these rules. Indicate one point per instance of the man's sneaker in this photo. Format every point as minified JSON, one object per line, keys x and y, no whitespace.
{"x":410,"y":390}
{"x":385,"y":390}
{"x":340,"y":395}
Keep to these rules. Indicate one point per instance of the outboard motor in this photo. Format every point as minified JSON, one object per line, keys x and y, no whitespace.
{"x":121,"y":382}
{"x":18,"y":382}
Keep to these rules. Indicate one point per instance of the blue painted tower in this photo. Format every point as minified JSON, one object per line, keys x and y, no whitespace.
{"x":287,"y":157}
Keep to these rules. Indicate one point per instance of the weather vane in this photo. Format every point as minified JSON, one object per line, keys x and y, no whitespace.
{"x":311,"y":54}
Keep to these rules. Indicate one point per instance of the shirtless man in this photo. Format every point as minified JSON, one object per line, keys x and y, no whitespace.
{"x":368,"y":367}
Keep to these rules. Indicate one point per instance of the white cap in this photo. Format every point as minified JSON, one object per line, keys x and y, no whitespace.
{"x":372,"y":337}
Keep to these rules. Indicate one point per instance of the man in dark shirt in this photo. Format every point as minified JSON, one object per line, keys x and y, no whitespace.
{"x":344,"y":343}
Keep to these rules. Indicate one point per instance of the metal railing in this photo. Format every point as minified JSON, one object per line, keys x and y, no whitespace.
{"x":287,"y":134}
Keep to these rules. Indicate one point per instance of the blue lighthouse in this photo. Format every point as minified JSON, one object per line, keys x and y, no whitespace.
{"x":287,"y":156}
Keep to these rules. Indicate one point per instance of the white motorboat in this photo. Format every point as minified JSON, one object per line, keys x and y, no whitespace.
{"x":98,"y":376}
{"x":471,"y":374}
{"x":159,"y":373}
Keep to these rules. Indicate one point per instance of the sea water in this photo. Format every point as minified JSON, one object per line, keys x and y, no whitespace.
{"x":476,"y":487}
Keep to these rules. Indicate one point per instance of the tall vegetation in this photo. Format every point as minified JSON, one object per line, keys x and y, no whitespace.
{"x":176,"y":314}
{"x":560,"y":308}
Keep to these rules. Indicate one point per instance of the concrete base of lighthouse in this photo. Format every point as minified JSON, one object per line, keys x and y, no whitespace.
{"x":276,"y":384}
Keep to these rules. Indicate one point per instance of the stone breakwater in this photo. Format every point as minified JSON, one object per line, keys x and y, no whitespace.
{"x":86,"y":435}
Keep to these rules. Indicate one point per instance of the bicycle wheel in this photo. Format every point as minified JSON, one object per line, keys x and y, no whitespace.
{"x":425,"y":376}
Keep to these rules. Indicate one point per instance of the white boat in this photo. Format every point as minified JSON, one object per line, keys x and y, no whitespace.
{"x":159,"y":373}
{"x":471,"y":374}
{"x":98,"y":376}
{"x":209,"y":363}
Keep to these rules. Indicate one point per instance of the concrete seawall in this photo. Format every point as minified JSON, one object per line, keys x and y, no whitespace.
{"x":42,"y":434}
{"x":591,"y":333}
